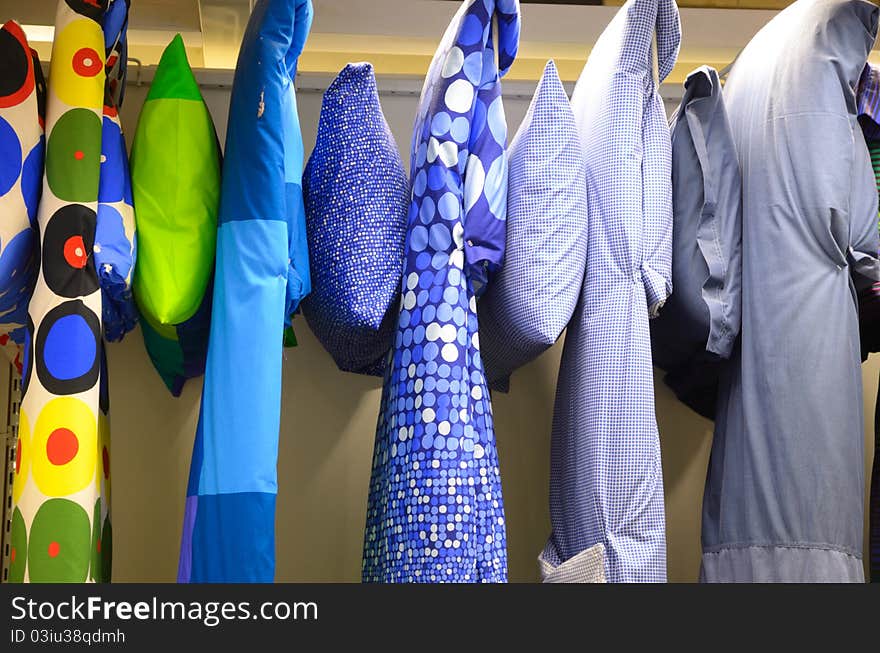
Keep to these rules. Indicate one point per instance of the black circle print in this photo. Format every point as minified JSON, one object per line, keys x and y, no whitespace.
{"x":93,"y":9}
{"x":68,"y":264}
{"x":13,"y":64}
{"x":103,"y":389}
{"x":67,"y":353}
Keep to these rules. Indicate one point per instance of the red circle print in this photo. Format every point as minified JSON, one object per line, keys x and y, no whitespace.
{"x":62,"y":446}
{"x":87,"y":62}
{"x":18,"y":458}
{"x":12,"y":556}
{"x":54,"y":549}
{"x":75,"y":252}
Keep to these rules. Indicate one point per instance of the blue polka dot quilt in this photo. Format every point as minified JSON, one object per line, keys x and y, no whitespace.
{"x":435,"y":510}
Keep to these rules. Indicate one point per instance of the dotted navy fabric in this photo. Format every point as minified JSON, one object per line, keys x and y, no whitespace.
{"x":606,"y":477}
{"x":533,"y":297}
{"x":435,"y":511}
{"x":356,"y":196}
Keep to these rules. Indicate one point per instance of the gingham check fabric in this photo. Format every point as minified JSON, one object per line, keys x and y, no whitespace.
{"x":606,"y":478}
{"x":530,"y":302}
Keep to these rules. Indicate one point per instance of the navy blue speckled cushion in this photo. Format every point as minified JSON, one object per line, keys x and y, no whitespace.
{"x":356,"y":195}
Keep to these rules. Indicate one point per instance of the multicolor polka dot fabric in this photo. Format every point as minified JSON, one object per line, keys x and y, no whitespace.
{"x":22,"y":108}
{"x":61,"y":528}
{"x":356,"y":194}
{"x":435,"y":511}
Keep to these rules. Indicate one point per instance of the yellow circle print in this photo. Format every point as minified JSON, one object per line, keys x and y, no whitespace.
{"x":102,"y":472}
{"x":77,"y":65}
{"x":22,"y":456}
{"x":65,"y":447}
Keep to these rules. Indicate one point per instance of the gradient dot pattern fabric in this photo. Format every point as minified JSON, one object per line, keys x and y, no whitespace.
{"x":606,"y":484}
{"x":61,"y":519}
{"x":356,"y":195}
{"x":435,"y":511}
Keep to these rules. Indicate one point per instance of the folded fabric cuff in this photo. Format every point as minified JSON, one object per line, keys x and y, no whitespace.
{"x":657,"y":290}
{"x":588,"y":566}
{"x":480,"y":262}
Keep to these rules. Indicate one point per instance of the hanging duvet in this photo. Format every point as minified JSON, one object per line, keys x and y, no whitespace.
{"x":261,"y":274}
{"x":606,"y":492}
{"x":785,"y":493}
{"x":435,"y":511}
{"x":22,"y":114}
{"x":60,"y":524}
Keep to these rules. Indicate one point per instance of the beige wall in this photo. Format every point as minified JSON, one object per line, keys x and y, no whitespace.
{"x":327,"y":431}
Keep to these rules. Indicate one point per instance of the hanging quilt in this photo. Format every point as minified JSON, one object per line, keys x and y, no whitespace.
{"x":356,"y":195}
{"x":261,"y":275}
{"x":785,"y":491}
{"x":22,"y":113}
{"x":60,"y":524}
{"x":435,"y":510}
{"x":115,"y":244}
{"x":175,"y":167}
{"x":606,"y":486}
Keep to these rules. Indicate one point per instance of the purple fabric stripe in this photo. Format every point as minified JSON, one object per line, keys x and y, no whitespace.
{"x":869,"y":101}
{"x":184,"y":569}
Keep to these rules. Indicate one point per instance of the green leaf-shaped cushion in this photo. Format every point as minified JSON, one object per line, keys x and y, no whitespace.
{"x":175,"y":169}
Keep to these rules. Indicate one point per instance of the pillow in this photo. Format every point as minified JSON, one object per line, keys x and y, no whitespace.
{"x":175,"y":165}
{"x":356,"y":195}
{"x":525,"y":309}
{"x":700,"y":322}
{"x":22,"y":145}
